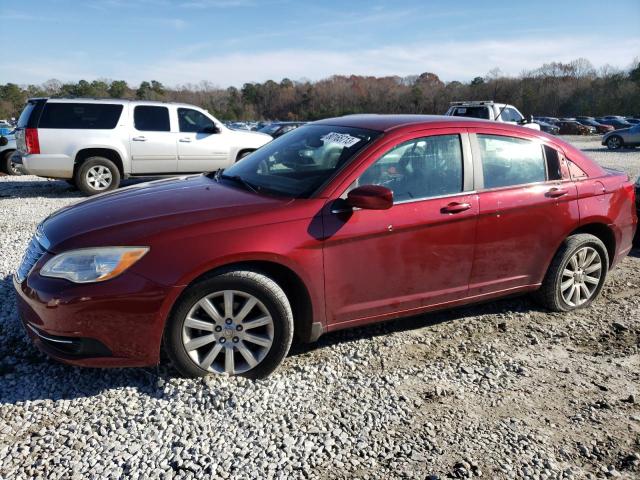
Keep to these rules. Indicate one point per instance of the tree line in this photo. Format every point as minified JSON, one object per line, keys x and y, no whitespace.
{"x":554,"y":89}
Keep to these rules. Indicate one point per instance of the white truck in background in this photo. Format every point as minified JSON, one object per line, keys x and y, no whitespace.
{"x":490,"y":110}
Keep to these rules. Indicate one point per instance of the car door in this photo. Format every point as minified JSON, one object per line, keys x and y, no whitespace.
{"x":153,"y":146}
{"x":528,"y":205}
{"x":418,"y":253}
{"x":201,"y":145}
{"x":633,"y":135}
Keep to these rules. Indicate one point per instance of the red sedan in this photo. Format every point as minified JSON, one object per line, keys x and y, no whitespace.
{"x":342,"y":222}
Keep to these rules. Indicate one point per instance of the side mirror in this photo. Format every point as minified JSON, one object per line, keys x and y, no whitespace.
{"x":3,"y":141}
{"x":210,"y":130}
{"x":370,"y":197}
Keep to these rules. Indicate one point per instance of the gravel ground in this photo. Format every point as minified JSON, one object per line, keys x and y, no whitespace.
{"x":501,"y":390}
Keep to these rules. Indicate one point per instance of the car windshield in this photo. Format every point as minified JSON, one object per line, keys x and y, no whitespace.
{"x":297,"y":164}
{"x":270,"y":129}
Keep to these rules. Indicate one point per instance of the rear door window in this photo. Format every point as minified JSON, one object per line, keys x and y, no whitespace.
{"x":557,"y":168}
{"x":94,"y":116}
{"x":510,"y":161}
{"x":147,"y":118}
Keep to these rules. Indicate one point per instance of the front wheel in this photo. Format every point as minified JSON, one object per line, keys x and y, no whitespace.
{"x":614,"y":142}
{"x":576,"y":274}
{"x":97,"y":175}
{"x":238,"y":323}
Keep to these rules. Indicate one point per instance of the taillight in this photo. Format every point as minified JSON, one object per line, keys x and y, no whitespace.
{"x":31,"y":140}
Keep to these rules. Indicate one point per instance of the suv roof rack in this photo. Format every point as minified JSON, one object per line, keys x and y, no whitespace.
{"x":473,"y":102}
{"x":108,"y":99}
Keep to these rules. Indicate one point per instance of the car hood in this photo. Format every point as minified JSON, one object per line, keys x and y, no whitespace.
{"x":133,"y":215}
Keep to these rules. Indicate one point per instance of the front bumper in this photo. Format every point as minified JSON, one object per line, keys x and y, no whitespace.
{"x":117,"y":323}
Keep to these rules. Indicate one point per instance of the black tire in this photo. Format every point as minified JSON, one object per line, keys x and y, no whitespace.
{"x":5,"y":164}
{"x":550,"y":294}
{"x":254,"y":284}
{"x":243,"y":154}
{"x":88,"y":187}
{"x":615,"y":142}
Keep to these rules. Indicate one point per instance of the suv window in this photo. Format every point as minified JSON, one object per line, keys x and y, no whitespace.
{"x":421,"y":168}
{"x":194,"y":121}
{"x":474,"y":112}
{"x":98,"y":116}
{"x":151,"y":119}
{"x":510,"y":115}
{"x":508,"y":161}
{"x":26,"y":113}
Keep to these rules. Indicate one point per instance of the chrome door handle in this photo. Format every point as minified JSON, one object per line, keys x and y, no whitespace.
{"x":185,"y":140}
{"x":139,"y":139}
{"x":455,"y":207}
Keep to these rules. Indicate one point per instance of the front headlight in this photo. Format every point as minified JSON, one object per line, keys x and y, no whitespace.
{"x":92,"y":264}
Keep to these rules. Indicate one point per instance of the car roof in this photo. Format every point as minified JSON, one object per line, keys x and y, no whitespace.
{"x":385,"y":123}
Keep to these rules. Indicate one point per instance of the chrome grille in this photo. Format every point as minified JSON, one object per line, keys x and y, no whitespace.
{"x":31,"y":256}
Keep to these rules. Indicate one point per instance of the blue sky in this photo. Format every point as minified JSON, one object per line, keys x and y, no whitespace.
{"x":230,"y":42}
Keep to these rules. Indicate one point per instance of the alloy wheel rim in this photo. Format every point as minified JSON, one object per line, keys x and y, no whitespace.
{"x":99,"y":177}
{"x":614,"y":142}
{"x":581,"y":276}
{"x":228,"y":331}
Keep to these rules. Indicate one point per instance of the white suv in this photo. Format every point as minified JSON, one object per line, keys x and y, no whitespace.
{"x":96,"y":143}
{"x":490,"y":110}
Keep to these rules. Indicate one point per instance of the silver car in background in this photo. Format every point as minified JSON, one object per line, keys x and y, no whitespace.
{"x":7,"y":154}
{"x":625,"y":137}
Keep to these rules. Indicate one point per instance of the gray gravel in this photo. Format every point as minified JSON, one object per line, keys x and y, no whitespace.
{"x":501,"y":390}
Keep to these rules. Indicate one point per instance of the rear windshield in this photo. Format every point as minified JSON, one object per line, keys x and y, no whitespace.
{"x":99,"y":116}
{"x":26,"y":113}
{"x":475,"y":112}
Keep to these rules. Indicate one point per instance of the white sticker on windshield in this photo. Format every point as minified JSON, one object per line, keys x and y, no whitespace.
{"x":343,"y":139}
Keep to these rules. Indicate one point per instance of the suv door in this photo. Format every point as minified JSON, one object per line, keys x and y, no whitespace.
{"x":201,"y":146}
{"x":418,"y":253}
{"x":528,"y":206}
{"x":153,"y":146}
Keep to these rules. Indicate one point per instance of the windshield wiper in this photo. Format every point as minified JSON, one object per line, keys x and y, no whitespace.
{"x":215,"y":174}
{"x":237,"y":179}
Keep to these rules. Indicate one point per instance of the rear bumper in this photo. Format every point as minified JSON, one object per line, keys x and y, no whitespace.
{"x":55,"y":166}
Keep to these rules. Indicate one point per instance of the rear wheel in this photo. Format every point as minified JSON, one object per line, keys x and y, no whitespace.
{"x":6,"y":165}
{"x":576,"y":274}
{"x":97,"y":175}
{"x":239,"y":323}
{"x":614,"y":142}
